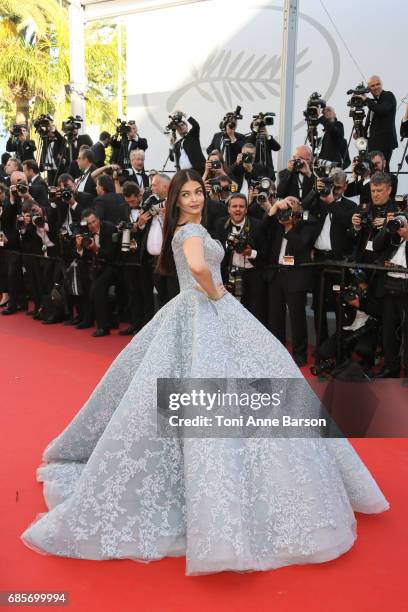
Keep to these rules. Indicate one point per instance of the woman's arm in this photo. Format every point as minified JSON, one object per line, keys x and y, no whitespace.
{"x":194,"y":254}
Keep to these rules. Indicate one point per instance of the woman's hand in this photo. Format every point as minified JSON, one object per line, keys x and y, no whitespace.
{"x":219,"y":293}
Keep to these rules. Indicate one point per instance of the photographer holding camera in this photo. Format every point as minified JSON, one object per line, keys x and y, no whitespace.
{"x":363,"y":167}
{"x":124,"y":141}
{"x":391,"y":245}
{"x":12,"y":165}
{"x":290,"y":235}
{"x":186,"y":152}
{"x":246,"y":169}
{"x":20,"y":144}
{"x":85,"y":183}
{"x":107,"y":202}
{"x":297,"y":179}
{"x":228,"y":141}
{"x":97,"y":248}
{"x":53,"y":146}
{"x":264,"y":143}
{"x":333,"y":145}
{"x":37,"y":186}
{"x":137,"y":172}
{"x":379,"y":127}
{"x":244,"y":243}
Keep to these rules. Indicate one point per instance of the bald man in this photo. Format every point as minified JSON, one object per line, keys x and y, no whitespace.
{"x":296,"y":180}
{"x":380,"y":123}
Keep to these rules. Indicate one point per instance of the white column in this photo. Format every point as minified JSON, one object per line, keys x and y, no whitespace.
{"x":77,"y":58}
{"x":288,"y":74}
{"x":120,"y":68}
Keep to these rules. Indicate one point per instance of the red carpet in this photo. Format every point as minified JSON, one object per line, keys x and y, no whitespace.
{"x":46,"y":374}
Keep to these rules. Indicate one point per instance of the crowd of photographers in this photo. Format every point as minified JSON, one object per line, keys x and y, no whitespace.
{"x":80,"y":235}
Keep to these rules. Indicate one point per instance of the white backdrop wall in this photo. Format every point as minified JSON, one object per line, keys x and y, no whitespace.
{"x":207,"y":57}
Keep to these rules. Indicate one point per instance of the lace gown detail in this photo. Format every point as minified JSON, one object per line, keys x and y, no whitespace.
{"x":115,"y":490}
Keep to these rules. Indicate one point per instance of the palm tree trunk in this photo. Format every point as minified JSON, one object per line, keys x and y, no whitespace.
{"x":22,"y":109}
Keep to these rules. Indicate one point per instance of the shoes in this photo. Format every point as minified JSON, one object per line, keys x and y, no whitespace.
{"x":31,"y":313}
{"x":388,"y":373}
{"x":9,"y":311}
{"x":5,"y":299}
{"x":39,"y":315}
{"x":129,"y":331}
{"x":52,"y":321}
{"x":100,"y":332}
{"x":74,"y":321}
{"x":300,"y":360}
{"x":4,"y":304}
{"x":84,"y":325}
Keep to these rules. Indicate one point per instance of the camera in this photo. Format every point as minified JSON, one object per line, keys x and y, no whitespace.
{"x":174,"y":121}
{"x":20,"y":224}
{"x":71,"y":124}
{"x":235,"y":282}
{"x":127,"y":243}
{"x":402,"y":201}
{"x":298,"y":164}
{"x":16,"y":130}
{"x":66,"y":193}
{"x":366,"y":216}
{"x":397,"y":223}
{"x":152,"y":203}
{"x":237,"y":242}
{"x":230,"y":119}
{"x":313,"y":107}
{"x":42,"y":123}
{"x":362,"y":163}
{"x":263,"y":119}
{"x":355,"y":100}
{"x":19,"y":189}
{"x":38,"y":220}
{"x":322,"y":169}
{"x":81,"y":229}
{"x":122,"y":129}
{"x":288,"y":213}
{"x":215,"y":164}
{"x":247,"y":158}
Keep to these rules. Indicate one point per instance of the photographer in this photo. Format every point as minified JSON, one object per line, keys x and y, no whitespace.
{"x":264,"y":143}
{"x":186,"y":151}
{"x":391,"y":244}
{"x":214,"y":166}
{"x":136,"y":172}
{"x":12,"y":165}
{"x":289,"y":240}
{"x":246,"y":169}
{"x":333,"y":212}
{"x":99,"y":149}
{"x":244,"y":243}
{"x":360,"y":327}
{"x":333,"y":146}
{"x":66,"y":205}
{"x":85,"y":183}
{"x":297,"y":179}
{"x":99,"y":251}
{"x":37,"y":186}
{"x":19,"y":143}
{"x":74,"y":141}
{"x":369,"y":218}
{"x":380,"y":123}
{"x":140,"y":305}
{"x":11,"y":224}
{"x":53,"y":146}
{"x":228,"y":138}
{"x":126,"y":137}
{"x":262,"y":194}
{"x":107,"y":202}
{"x":363,"y":167}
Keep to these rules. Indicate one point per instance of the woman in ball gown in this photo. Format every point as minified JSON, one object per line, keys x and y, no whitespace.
{"x":116,"y":490}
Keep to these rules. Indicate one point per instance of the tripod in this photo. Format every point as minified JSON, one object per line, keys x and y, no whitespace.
{"x":312,"y":137}
{"x":401,"y":163}
{"x":261,"y":152}
{"x":226,"y":150}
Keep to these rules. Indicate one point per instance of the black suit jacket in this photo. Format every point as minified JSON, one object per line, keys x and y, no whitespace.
{"x":340,"y":228}
{"x":382,"y":132}
{"x":334,"y":146}
{"x":107,"y":207}
{"x":288,"y":184}
{"x":140,"y":143}
{"x":235,"y":147}
{"x":192,"y":146}
{"x":213,"y":211}
{"x":238,"y":173}
{"x":100,"y":153}
{"x":361,"y":238}
{"x":108,"y":250}
{"x":300,"y":242}
{"x":24,"y":150}
{"x":271,"y":145}
{"x":39,"y":191}
{"x":385,"y":246}
{"x":8,"y":224}
{"x":90,"y":185}
{"x":223,"y":226}
{"x":131,"y":176}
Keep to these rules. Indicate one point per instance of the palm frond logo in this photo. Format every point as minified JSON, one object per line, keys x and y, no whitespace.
{"x":225,"y":78}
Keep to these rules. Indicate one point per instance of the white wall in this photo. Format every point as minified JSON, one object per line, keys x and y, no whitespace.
{"x":194,"y":58}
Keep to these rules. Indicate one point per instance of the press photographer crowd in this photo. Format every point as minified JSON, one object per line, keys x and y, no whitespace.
{"x":80,"y":232}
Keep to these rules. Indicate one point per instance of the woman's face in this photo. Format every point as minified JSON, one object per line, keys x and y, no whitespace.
{"x":191,"y":198}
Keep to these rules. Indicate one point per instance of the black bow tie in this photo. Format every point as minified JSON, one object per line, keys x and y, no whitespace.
{"x":238,"y":227}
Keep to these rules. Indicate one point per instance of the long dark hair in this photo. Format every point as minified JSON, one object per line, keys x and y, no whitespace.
{"x":166,"y":264}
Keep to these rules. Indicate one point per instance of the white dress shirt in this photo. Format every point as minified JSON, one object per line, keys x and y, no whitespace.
{"x":239,"y":260}
{"x":399,"y":259}
{"x":155,"y":236}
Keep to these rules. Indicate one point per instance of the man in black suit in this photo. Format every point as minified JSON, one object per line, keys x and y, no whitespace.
{"x":219,"y":140}
{"x":73,"y":146}
{"x":99,"y":149}
{"x":136,"y":172}
{"x":289,"y":241}
{"x":246,"y":169}
{"x":107,"y":203}
{"x":131,"y":142}
{"x":265,"y":144}
{"x":380,"y":123}
{"x":12,"y":165}
{"x":392,"y":249}
{"x":101,"y":253}
{"x":361,"y":186}
{"x":23,"y":147}
{"x":186,"y":152}
{"x":85,"y":183}
{"x":334,"y":146}
{"x":334,"y":240}
{"x":52,"y":154}
{"x":297,"y":179}
{"x":241,"y":268}
{"x":37,"y":186}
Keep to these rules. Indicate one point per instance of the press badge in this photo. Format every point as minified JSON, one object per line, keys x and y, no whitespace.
{"x":369,"y":245}
{"x":288,"y":260}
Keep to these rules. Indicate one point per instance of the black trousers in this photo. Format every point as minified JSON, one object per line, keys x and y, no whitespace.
{"x":98,"y":297}
{"x":323,"y":302}
{"x":15,"y":280}
{"x":364,"y":346}
{"x":395,"y":331}
{"x":140,"y":309}
{"x":280,"y":298}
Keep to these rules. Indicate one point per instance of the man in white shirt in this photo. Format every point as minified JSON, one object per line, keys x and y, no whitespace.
{"x":136,"y":171}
